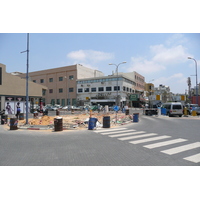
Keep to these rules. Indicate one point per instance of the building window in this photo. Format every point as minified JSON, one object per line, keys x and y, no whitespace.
{"x":58,"y":101}
{"x":43,"y":92}
{"x":115,"y":88}
{"x":41,"y":80}
{"x":101,"y":89}
{"x":108,"y":88}
{"x":50,"y":79}
{"x":34,"y":81}
{"x":62,"y":102}
{"x":86,"y":89}
{"x":93,"y":89}
{"x":60,"y":78}
{"x":71,"y":89}
{"x":60,"y":90}
{"x":80,"y":90}
{"x":50,"y":90}
{"x":124,"y":88}
{"x":71,"y":77}
{"x":53,"y":102}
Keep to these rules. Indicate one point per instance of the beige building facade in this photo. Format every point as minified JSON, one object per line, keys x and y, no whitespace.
{"x":61,"y":82}
{"x":13,"y":90}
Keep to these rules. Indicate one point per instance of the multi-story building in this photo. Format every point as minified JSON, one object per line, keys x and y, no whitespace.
{"x":13,"y":91}
{"x":103,"y":90}
{"x":164,"y":91}
{"x":61,"y":82}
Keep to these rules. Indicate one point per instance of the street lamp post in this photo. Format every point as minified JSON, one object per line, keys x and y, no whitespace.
{"x":196,"y":79}
{"x":27,"y":69}
{"x":117,"y":99}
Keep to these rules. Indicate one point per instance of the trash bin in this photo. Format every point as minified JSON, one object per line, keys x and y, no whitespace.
{"x":58,"y":124}
{"x":35,"y":115}
{"x":57,"y":112}
{"x":163,"y":111}
{"x":106,"y":122}
{"x":13,"y":123}
{"x":135,"y":117}
{"x":92,"y":123}
{"x":21,"y":116}
{"x":4,"y":119}
{"x":127,"y":112}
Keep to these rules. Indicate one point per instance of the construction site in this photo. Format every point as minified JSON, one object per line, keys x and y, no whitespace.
{"x":75,"y":120}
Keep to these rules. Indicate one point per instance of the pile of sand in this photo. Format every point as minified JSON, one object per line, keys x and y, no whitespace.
{"x":70,"y":120}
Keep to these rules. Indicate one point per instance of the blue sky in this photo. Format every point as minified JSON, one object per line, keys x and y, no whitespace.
{"x":158,"y":56}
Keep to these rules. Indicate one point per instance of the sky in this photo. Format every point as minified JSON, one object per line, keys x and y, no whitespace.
{"x":162,"y":58}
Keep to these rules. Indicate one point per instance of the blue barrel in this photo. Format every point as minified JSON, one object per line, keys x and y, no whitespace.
{"x":92,"y":123}
{"x":135,"y":117}
{"x":163,"y":111}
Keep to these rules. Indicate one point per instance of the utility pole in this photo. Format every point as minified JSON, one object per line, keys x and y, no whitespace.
{"x":27,"y":68}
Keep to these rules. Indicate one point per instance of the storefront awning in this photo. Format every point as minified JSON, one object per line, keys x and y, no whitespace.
{"x":102,"y":100}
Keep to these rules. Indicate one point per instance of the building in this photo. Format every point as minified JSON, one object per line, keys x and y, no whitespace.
{"x":149,"y":88}
{"x":13,"y":91}
{"x":164,"y":91}
{"x":103,"y":90}
{"x":61,"y":82}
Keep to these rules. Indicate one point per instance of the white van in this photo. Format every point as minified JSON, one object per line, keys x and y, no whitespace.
{"x":173,"y":109}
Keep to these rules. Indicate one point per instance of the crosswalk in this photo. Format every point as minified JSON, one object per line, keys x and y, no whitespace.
{"x":141,"y":137}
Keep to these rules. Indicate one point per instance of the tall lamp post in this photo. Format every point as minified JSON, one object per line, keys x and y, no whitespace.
{"x":117,"y":99}
{"x":27,"y":68}
{"x":196,"y":79}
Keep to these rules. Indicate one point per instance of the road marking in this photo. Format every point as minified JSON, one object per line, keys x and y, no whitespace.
{"x":114,"y":132}
{"x":137,"y":136}
{"x":181,"y":148}
{"x":125,"y":134}
{"x":160,"y":144}
{"x":150,"y":139}
{"x":195,"y":158}
{"x":106,"y":130}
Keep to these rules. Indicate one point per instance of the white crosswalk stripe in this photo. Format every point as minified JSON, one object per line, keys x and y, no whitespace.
{"x":161,"y":144}
{"x":125,"y":134}
{"x":107,"y":130}
{"x":132,"y":134}
{"x":150,"y":139}
{"x":181,"y":148}
{"x":114,"y":132}
{"x":137,"y":136}
{"x":195,"y":158}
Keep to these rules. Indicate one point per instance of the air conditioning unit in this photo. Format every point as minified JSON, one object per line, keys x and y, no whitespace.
{"x":81,"y":85}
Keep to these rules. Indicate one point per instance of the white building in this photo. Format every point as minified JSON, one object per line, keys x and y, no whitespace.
{"x":103,"y":90}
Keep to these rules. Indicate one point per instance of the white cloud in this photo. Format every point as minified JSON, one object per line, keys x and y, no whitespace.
{"x":143,"y":66}
{"x":90,"y":56}
{"x":177,"y":39}
{"x":77,"y":55}
{"x":161,"y":59}
{"x":168,"y":55}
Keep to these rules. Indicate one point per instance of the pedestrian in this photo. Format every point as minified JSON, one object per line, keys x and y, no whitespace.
{"x":18,"y":112}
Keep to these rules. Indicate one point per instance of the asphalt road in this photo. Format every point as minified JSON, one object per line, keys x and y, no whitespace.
{"x":153,"y":141}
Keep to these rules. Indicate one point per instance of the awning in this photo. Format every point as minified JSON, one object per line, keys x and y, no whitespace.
{"x":102,"y":100}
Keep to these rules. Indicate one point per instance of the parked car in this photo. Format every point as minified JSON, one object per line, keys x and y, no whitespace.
{"x":173,"y":109}
{"x":190,"y":107}
{"x":197,"y":109}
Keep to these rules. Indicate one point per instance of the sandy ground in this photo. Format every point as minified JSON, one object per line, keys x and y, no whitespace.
{"x":77,"y":120}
